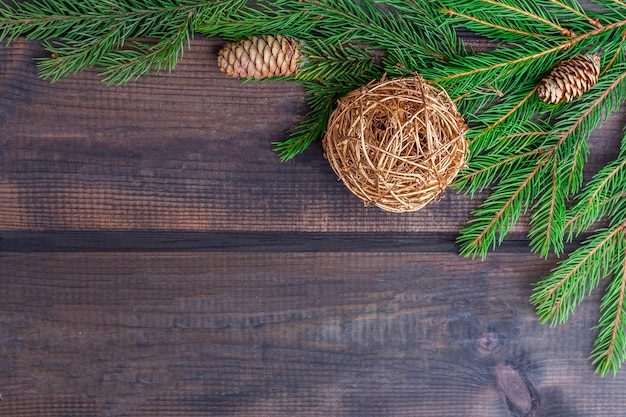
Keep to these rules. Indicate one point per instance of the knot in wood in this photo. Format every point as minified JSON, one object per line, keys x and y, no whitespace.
{"x":513,"y":387}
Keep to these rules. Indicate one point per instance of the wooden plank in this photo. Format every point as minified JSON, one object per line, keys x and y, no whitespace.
{"x":150,"y":241}
{"x":156,"y":258}
{"x":299,"y":334}
{"x":142,"y":241}
{"x":187,"y":151}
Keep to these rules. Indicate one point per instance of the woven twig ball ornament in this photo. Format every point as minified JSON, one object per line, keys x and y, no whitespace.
{"x":260,"y":57}
{"x":396,"y":144}
{"x":570,"y":79}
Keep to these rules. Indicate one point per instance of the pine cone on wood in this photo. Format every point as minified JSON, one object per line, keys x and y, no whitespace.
{"x":570,"y":79}
{"x":260,"y":57}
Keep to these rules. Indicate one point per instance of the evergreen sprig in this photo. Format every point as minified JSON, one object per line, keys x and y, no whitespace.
{"x":531,"y":155}
{"x":108,"y":34}
{"x":347,"y":44}
{"x":527,"y":154}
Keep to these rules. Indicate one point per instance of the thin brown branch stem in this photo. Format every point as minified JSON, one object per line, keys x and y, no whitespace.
{"x":578,"y":266}
{"x":510,"y":112}
{"x":592,"y":106}
{"x":589,"y":200}
{"x":617,"y":324}
{"x":496,"y":216}
{"x":552,"y":200}
{"x":524,"y":134}
{"x":582,"y":117}
{"x":503,"y":162}
{"x":562,"y":30}
{"x":559,"y":47}
{"x":593,"y":22}
{"x":620,"y":3}
{"x":612,"y":61}
{"x":451,"y":12}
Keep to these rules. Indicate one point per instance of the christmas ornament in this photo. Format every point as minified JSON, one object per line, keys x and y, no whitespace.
{"x":570,"y":79}
{"x":260,"y":57}
{"x":396,"y":144}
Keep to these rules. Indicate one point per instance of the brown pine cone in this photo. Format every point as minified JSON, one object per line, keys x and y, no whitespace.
{"x":260,"y":57}
{"x":570,"y":79}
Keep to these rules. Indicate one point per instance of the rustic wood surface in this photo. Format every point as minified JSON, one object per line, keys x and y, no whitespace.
{"x":157,"y":259}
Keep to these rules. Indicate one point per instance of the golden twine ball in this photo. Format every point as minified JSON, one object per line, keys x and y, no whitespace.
{"x":396,"y":144}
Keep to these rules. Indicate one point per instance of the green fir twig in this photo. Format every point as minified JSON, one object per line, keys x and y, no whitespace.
{"x":104,"y":34}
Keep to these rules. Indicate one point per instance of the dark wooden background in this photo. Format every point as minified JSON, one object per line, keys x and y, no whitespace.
{"x":157,"y":259}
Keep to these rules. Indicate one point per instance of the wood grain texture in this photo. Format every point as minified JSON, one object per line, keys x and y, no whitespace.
{"x":244,"y":334}
{"x":157,"y":259}
{"x":186,"y":151}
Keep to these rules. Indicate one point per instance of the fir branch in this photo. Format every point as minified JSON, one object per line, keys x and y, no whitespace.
{"x":547,"y":22}
{"x":498,"y":214}
{"x":492,"y":65}
{"x":547,"y":223}
{"x":139,"y":59}
{"x":500,"y":211}
{"x":611,"y":95}
{"x":567,"y":154}
{"x":430,"y":26}
{"x":366,"y":23}
{"x":488,"y":168}
{"x":577,"y":11}
{"x":610,"y":346}
{"x":500,"y":163}
{"x":500,"y":60}
{"x":520,"y":23}
{"x":93,"y":33}
{"x":547,"y":166}
{"x":557,"y":295}
{"x":41,"y":19}
{"x":498,"y":28}
{"x":617,"y":7}
{"x":616,"y":55}
{"x":322,"y":97}
{"x":70,"y":57}
{"x":304,"y":133}
{"x":47,"y":20}
{"x":599,"y":195}
{"x":582,"y":118}
{"x":283,"y":17}
{"x":324,"y":62}
{"x":507,"y":116}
